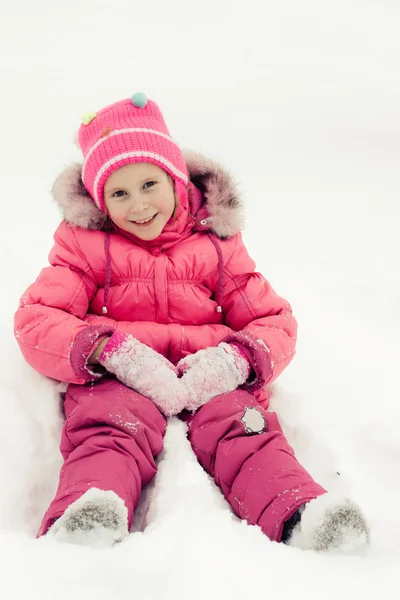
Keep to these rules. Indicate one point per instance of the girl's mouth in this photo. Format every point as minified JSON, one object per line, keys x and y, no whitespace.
{"x":145,"y":222}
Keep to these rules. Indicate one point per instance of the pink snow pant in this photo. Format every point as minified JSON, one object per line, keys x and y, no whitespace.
{"x":112,"y":436}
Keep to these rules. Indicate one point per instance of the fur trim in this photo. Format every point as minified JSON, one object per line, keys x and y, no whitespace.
{"x":223,"y":202}
{"x":220,"y":196}
{"x":77,"y":207}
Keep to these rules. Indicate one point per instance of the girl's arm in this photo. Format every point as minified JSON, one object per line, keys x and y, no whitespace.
{"x":51,"y":325}
{"x":263,"y":322}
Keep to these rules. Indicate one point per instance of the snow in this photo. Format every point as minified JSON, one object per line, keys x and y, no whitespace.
{"x":300,"y":101}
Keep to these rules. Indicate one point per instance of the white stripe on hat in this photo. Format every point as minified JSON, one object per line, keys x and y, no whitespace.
{"x":142,"y":154}
{"x":120,"y":132}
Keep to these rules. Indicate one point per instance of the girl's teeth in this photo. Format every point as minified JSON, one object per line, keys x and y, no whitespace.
{"x":145,"y":220}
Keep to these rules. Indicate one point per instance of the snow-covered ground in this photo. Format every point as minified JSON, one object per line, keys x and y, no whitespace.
{"x":300,"y":100}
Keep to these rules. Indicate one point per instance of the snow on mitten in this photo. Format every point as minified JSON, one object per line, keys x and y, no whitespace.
{"x":211,"y":372}
{"x":145,"y":371}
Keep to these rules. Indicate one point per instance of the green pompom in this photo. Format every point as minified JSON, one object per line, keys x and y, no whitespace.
{"x":139,"y":100}
{"x":87,"y":117}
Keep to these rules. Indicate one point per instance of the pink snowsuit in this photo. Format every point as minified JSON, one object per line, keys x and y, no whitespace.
{"x":191,"y":288}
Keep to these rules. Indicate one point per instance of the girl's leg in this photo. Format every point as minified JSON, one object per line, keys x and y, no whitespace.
{"x":110,"y":439}
{"x":242,"y":446}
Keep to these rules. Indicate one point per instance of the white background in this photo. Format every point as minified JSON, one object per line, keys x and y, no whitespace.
{"x":300,"y":101}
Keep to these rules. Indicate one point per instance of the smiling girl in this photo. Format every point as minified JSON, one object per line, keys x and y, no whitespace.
{"x":151,"y":307}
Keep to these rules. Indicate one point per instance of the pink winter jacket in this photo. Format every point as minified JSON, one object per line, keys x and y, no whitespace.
{"x":191,"y":288}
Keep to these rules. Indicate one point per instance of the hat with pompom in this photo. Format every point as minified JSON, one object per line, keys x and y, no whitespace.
{"x":129,"y":131}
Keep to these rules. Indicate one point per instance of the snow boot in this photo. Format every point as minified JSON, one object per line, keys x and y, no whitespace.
{"x":329,"y":523}
{"x":98,"y":518}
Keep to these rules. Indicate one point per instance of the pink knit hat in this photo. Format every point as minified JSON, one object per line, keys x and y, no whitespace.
{"x":129,"y":131}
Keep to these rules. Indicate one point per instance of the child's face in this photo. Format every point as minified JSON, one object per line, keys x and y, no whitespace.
{"x":136,"y":192}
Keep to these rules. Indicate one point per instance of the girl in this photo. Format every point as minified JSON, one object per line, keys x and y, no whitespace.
{"x":151,"y":308}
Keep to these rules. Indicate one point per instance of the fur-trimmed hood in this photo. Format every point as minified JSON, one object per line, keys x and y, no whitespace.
{"x":221,"y":202}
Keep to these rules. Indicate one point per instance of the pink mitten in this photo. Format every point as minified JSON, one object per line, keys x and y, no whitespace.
{"x":145,"y":371}
{"x":211,"y":372}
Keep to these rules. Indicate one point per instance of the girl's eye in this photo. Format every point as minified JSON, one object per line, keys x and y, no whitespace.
{"x":118,"y":194}
{"x":149,"y":184}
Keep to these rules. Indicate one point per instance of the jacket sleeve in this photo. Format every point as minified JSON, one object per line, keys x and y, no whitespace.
{"x":264,"y":326}
{"x":49,"y":324}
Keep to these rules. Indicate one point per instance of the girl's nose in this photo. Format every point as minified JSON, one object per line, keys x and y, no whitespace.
{"x":138,"y":205}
